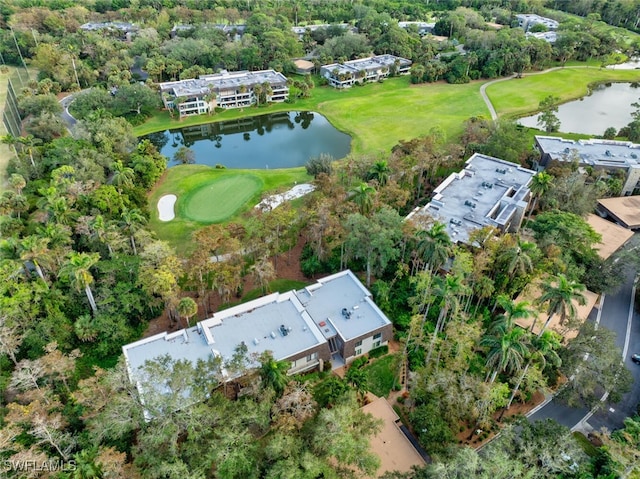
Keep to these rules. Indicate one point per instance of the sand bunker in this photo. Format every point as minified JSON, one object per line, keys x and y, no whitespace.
{"x":274,"y":201}
{"x":165,"y":207}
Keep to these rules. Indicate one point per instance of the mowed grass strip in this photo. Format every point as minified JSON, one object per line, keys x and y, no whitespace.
{"x":184,"y":179}
{"x":518,"y":97}
{"x":218,"y":200}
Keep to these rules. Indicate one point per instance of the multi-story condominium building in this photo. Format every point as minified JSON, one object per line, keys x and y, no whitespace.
{"x":334,"y":320}
{"x":488,"y":192}
{"x":347,"y":74}
{"x":604,"y":155}
{"x":528,"y":20}
{"x":223,"y":90}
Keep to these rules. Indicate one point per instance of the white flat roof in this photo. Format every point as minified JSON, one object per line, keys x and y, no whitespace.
{"x":261,"y":324}
{"x":483,"y":194}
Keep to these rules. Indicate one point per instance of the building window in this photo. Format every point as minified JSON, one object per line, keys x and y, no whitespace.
{"x":358,"y":351}
{"x":377,"y":336}
{"x":312,"y":357}
{"x":358,"y":343}
{"x":376,"y":344}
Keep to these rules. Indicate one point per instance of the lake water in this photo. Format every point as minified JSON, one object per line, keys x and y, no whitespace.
{"x":277,"y":140}
{"x":609,"y":105}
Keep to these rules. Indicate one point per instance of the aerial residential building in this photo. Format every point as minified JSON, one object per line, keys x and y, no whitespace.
{"x":347,"y":74}
{"x":300,"y":31}
{"x":125,"y":29}
{"x":488,"y":192}
{"x":549,"y":37}
{"x":233,"y":32}
{"x":424,"y":28}
{"x":528,"y":20}
{"x":603,"y":155}
{"x":625,"y":210}
{"x":334,"y":320}
{"x":223,"y":90}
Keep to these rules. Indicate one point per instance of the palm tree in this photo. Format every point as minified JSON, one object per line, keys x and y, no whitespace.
{"x":132,"y":221}
{"x":544,"y":350}
{"x":17,"y":182}
{"x":36,"y":250}
{"x":434,"y":246}
{"x":257,"y":91}
{"x":449,"y":289}
{"x":85,"y":328}
{"x":560,"y":295}
{"x":187,"y":308}
{"x":380,"y":172}
{"x":100,"y":228}
{"x":274,"y":373}
{"x":362,"y":195}
{"x":517,"y":258}
{"x":506,"y":349}
{"x":512,"y":312}
{"x":540,"y":184}
{"x":77,"y":272}
{"x":122,"y":176}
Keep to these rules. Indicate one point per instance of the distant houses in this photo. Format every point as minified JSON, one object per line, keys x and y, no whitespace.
{"x":603,"y":155}
{"x":347,"y":74}
{"x":528,"y":20}
{"x":488,"y":192}
{"x":224,"y":90}
{"x":125,"y":30}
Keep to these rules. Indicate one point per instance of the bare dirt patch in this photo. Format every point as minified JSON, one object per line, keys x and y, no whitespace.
{"x":287,"y":266}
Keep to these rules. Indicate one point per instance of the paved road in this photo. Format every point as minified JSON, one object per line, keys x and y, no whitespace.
{"x":65,"y":115}
{"x":616,"y":316}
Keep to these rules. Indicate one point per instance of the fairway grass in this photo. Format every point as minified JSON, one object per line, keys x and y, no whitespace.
{"x":519,"y":97}
{"x":379,"y":115}
{"x":218,"y":200}
{"x":227,"y":200}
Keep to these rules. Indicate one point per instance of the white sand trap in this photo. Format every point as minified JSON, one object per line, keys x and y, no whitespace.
{"x":274,"y":201}
{"x":165,"y":207}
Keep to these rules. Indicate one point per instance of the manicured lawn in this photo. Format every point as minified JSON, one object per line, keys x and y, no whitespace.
{"x":522,"y":96}
{"x":225,"y":201}
{"x":218,"y":200}
{"x":378,"y":115}
{"x":381,"y":375}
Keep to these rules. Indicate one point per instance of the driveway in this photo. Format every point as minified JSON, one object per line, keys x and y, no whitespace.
{"x":617,"y":315}
{"x":65,"y":115}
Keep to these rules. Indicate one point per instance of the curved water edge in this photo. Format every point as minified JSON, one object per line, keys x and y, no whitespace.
{"x":607,"y":105}
{"x":277,"y":140}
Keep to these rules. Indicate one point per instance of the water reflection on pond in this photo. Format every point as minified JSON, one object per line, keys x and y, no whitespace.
{"x":277,"y":140}
{"x":609,"y":105}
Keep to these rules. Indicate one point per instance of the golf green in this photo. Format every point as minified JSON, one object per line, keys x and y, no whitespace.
{"x":218,"y":200}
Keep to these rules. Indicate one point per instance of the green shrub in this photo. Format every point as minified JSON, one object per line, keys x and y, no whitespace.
{"x":378,"y":352}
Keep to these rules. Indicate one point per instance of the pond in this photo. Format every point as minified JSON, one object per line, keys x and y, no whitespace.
{"x":276,"y":140}
{"x":609,"y":105}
